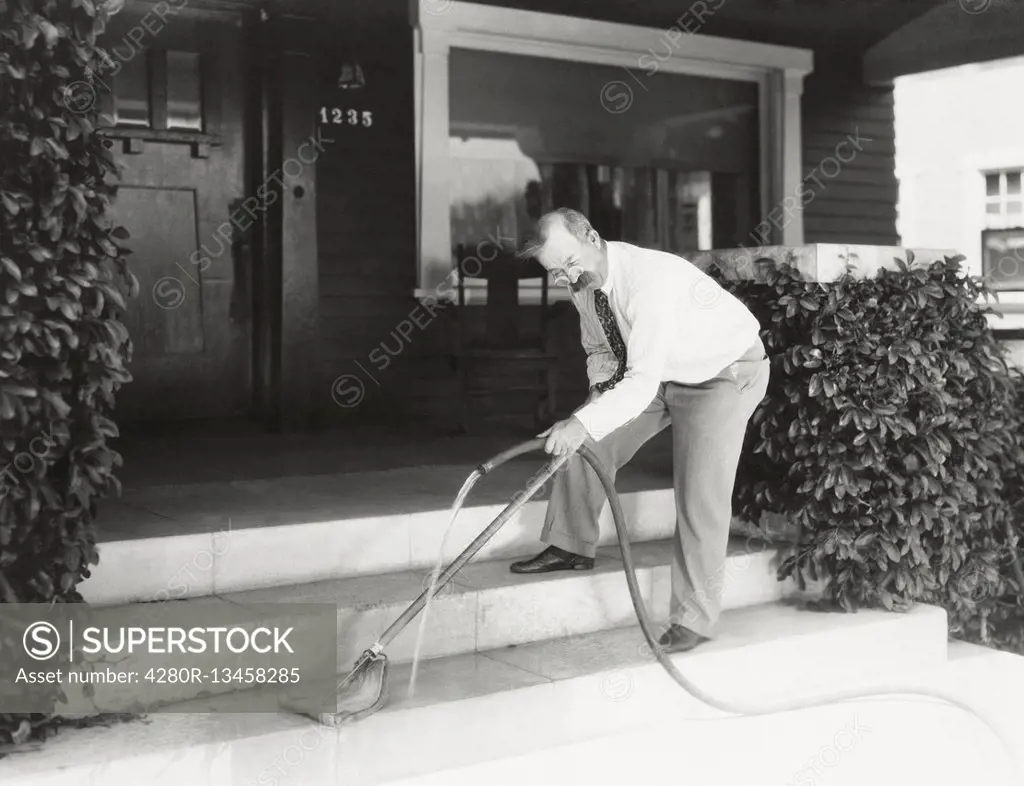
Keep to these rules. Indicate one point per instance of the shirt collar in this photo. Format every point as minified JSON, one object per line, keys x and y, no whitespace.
{"x":613,"y":264}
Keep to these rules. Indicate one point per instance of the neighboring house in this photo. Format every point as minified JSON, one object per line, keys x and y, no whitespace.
{"x":960,"y":161}
{"x":960,"y":165}
{"x":686,"y":126}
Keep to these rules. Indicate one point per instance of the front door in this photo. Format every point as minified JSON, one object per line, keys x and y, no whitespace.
{"x":176,"y":84}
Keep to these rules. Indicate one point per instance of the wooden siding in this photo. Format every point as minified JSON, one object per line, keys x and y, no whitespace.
{"x":854,"y":201}
{"x":366,"y":216}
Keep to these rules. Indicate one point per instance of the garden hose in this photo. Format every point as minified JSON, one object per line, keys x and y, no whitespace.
{"x":589,"y":454}
{"x":364,"y":690}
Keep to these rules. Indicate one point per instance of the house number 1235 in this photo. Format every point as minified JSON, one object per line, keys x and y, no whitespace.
{"x":348,"y":117}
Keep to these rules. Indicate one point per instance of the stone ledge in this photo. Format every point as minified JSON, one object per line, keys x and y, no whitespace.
{"x":818,"y":261}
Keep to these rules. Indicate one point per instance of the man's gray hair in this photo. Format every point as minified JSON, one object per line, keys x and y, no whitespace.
{"x":574,"y":221}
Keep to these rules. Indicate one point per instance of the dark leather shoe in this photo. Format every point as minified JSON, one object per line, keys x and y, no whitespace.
{"x":552,"y":559}
{"x":680,"y":639}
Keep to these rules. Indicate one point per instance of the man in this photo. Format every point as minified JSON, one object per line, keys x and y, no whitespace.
{"x":665,"y":345}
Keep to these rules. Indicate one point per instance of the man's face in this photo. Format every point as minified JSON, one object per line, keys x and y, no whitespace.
{"x":570,"y":261}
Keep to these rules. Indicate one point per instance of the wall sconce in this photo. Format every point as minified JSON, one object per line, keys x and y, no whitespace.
{"x":351,"y":76}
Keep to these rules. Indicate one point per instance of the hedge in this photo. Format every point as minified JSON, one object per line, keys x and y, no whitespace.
{"x":891,"y":436}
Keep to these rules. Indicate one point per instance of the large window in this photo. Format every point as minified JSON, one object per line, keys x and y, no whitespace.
{"x":662,"y":160}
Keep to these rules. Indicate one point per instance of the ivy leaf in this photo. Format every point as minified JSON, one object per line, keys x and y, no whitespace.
{"x":8,"y":264}
{"x":891,"y":551}
{"x":9,"y":203}
{"x":50,"y":32}
{"x":29,"y":34}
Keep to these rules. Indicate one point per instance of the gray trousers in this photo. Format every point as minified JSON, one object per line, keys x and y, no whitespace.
{"x":709,"y":421}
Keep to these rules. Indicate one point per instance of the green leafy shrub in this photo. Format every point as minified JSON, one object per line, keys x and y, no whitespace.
{"x":63,"y":280}
{"x":890,"y":436}
{"x":1007,"y":620}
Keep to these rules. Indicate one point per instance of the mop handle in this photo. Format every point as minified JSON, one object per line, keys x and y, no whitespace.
{"x":521,"y":498}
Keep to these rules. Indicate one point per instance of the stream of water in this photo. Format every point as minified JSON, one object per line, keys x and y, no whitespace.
{"x":456,"y":507}
{"x":532,"y":488}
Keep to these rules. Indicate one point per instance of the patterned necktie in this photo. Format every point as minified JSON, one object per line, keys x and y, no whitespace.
{"x":611,"y":331}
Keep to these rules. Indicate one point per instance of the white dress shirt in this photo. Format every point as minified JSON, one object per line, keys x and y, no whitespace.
{"x":678,"y":325}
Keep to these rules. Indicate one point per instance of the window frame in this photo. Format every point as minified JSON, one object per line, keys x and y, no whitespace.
{"x":778,"y":71}
{"x":1006,"y":313}
{"x":134,"y":138}
{"x":1004,"y":219}
{"x":1018,"y":257}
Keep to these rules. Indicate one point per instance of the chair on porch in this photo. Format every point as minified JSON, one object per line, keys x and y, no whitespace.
{"x":490,"y":344}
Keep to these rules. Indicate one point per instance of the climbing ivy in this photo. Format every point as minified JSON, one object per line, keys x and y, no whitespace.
{"x":63,"y":286}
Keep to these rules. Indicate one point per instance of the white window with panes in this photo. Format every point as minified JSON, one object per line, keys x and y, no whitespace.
{"x":1003,"y":199}
{"x":1002,"y":239}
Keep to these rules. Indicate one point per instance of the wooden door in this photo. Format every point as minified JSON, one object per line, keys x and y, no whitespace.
{"x":175,"y":85}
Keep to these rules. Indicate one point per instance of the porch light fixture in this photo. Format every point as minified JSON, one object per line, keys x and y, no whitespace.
{"x":351,"y":76}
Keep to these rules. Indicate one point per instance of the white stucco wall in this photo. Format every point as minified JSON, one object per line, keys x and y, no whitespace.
{"x":950,"y":125}
{"x":1016,"y":353}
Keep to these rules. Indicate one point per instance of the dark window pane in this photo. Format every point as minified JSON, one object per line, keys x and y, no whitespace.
{"x":131,"y":93}
{"x":1013,"y":182}
{"x":992,"y":185}
{"x":184,"y":93}
{"x":992,"y":208}
{"x":1013,"y":207}
{"x":1003,"y":258}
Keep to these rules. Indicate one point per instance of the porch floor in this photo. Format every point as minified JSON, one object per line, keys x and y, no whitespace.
{"x":191,"y":481}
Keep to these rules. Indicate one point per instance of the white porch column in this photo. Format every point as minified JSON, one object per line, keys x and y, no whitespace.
{"x":783,"y":222}
{"x":435,"y":235}
{"x":785,"y":213}
{"x":792,"y":157}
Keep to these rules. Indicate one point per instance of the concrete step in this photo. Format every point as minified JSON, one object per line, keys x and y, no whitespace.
{"x":894,"y":740}
{"x":485,"y":607}
{"x":513,"y":701}
{"x":889,"y":743}
{"x":242,"y":536}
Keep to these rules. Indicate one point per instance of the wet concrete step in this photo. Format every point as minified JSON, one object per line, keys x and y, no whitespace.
{"x":486,"y":606}
{"x":894,"y":740}
{"x":483,"y":608}
{"x":475,"y":708}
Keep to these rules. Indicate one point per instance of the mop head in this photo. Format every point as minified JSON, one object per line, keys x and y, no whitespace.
{"x":363,"y":691}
